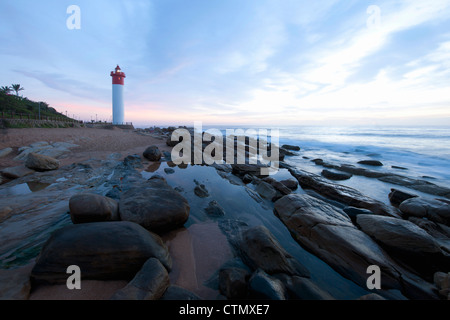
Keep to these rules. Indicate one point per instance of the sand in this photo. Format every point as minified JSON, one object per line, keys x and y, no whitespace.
{"x":93,"y":143}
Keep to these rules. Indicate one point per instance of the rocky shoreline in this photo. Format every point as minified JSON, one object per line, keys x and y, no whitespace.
{"x":148,"y":229}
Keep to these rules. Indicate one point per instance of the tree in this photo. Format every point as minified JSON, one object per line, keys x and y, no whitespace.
{"x":5,"y":89}
{"x":17,"y":88}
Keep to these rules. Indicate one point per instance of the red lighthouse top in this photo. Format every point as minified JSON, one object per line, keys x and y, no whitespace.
{"x":118,"y":76}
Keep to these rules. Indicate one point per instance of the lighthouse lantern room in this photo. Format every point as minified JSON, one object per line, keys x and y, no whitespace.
{"x":118,"y":80}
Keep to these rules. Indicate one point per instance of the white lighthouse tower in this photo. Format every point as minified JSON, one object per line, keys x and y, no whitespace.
{"x":118,"y":80}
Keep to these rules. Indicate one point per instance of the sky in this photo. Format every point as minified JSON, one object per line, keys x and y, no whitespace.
{"x":235,"y":62}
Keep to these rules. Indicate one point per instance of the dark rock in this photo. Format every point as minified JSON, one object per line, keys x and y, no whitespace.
{"x":374,"y":163}
{"x":214,"y":209}
{"x":299,"y":288}
{"x":102,"y":250}
{"x":259,"y":249}
{"x":263,"y":286}
{"x":433,"y":210}
{"x":152,"y":153}
{"x":16,"y":172}
{"x":290,"y":183}
{"x":169,"y":170}
{"x":406,"y":242}
{"x":440,"y":232}
{"x":171,"y":143}
{"x":233,"y":282}
{"x":265,"y":190}
{"x":335,"y":175}
{"x":281,"y":188}
{"x":89,"y":207}
{"x":154,"y":205}
{"x":329,"y":234}
{"x":397,"y":233}
{"x":150,"y":283}
{"x":201,"y":191}
{"x":247,"y":178}
{"x":400,"y":168}
{"x":243,"y":169}
{"x":353,"y":212}
{"x":40,"y":162}
{"x":174,"y":292}
{"x":133,"y":161}
{"x":290,"y":147}
{"x":318,"y":161}
{"x":343,"y":194}
{"x":396,"y":197}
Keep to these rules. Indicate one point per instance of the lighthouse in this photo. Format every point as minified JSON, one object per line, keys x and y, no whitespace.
{"x":118,"y":80}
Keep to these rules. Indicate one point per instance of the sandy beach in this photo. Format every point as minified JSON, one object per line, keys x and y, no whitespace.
{"x":93,"y":143}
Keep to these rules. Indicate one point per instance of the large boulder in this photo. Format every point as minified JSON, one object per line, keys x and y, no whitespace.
{"x":89,"y":207}
{"x":299,"y":288}
{"x":406,"y":241}
{"x":329,"y":234}
{"x":265,"y":190}
{"x":102,"y":250}
{"x":400,"y":234}
{"x":40,"y":162}
{"x":150,"y":283}
{"x":152,"y":153}
{"x":434,"y":210}
{"x":154,"y":205}
{"x":260,"y":249}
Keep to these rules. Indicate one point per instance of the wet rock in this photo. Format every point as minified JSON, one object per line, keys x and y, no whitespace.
{"x":201,"y":191}
{"x":397,"y":233}
{"x":16,"y":172}
{"x":214,"y":209}
{"x":265,"y":190}
{"x":440,"y":232}
{"x":233,"y":282}
{"x":89,"y":207}
{"x":290,"y":183}
{"x":343,"y":194}
{"x":169,"y":171}
{"x":399,"y":168}
{"x":396,"y":197}
{"x":154,"y":205}
{"x":353,"y":212}
{"x":318,"y":161}
{"x":102,"y":250}
{"x":263,"y":286}
{"x":300,"y":288}
{"x":330,"y":235}
{"x":374,"y":163}
{"x":281,"y":188}
{"x":247,"y":178}
{"x":174,"y":292}
{"x":133,"y":161}
{"x":243,"y":169}
{"x":259,"y":249}
{"x":152,"y":153}
{"x":433,"y":210}
{"x":291,"y":147}
{"x":406,"y":242}
{"x":335,"y":175}
{"x":150,"y":283}
{"x":41,"y":163}
{"x":5,"y":152}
